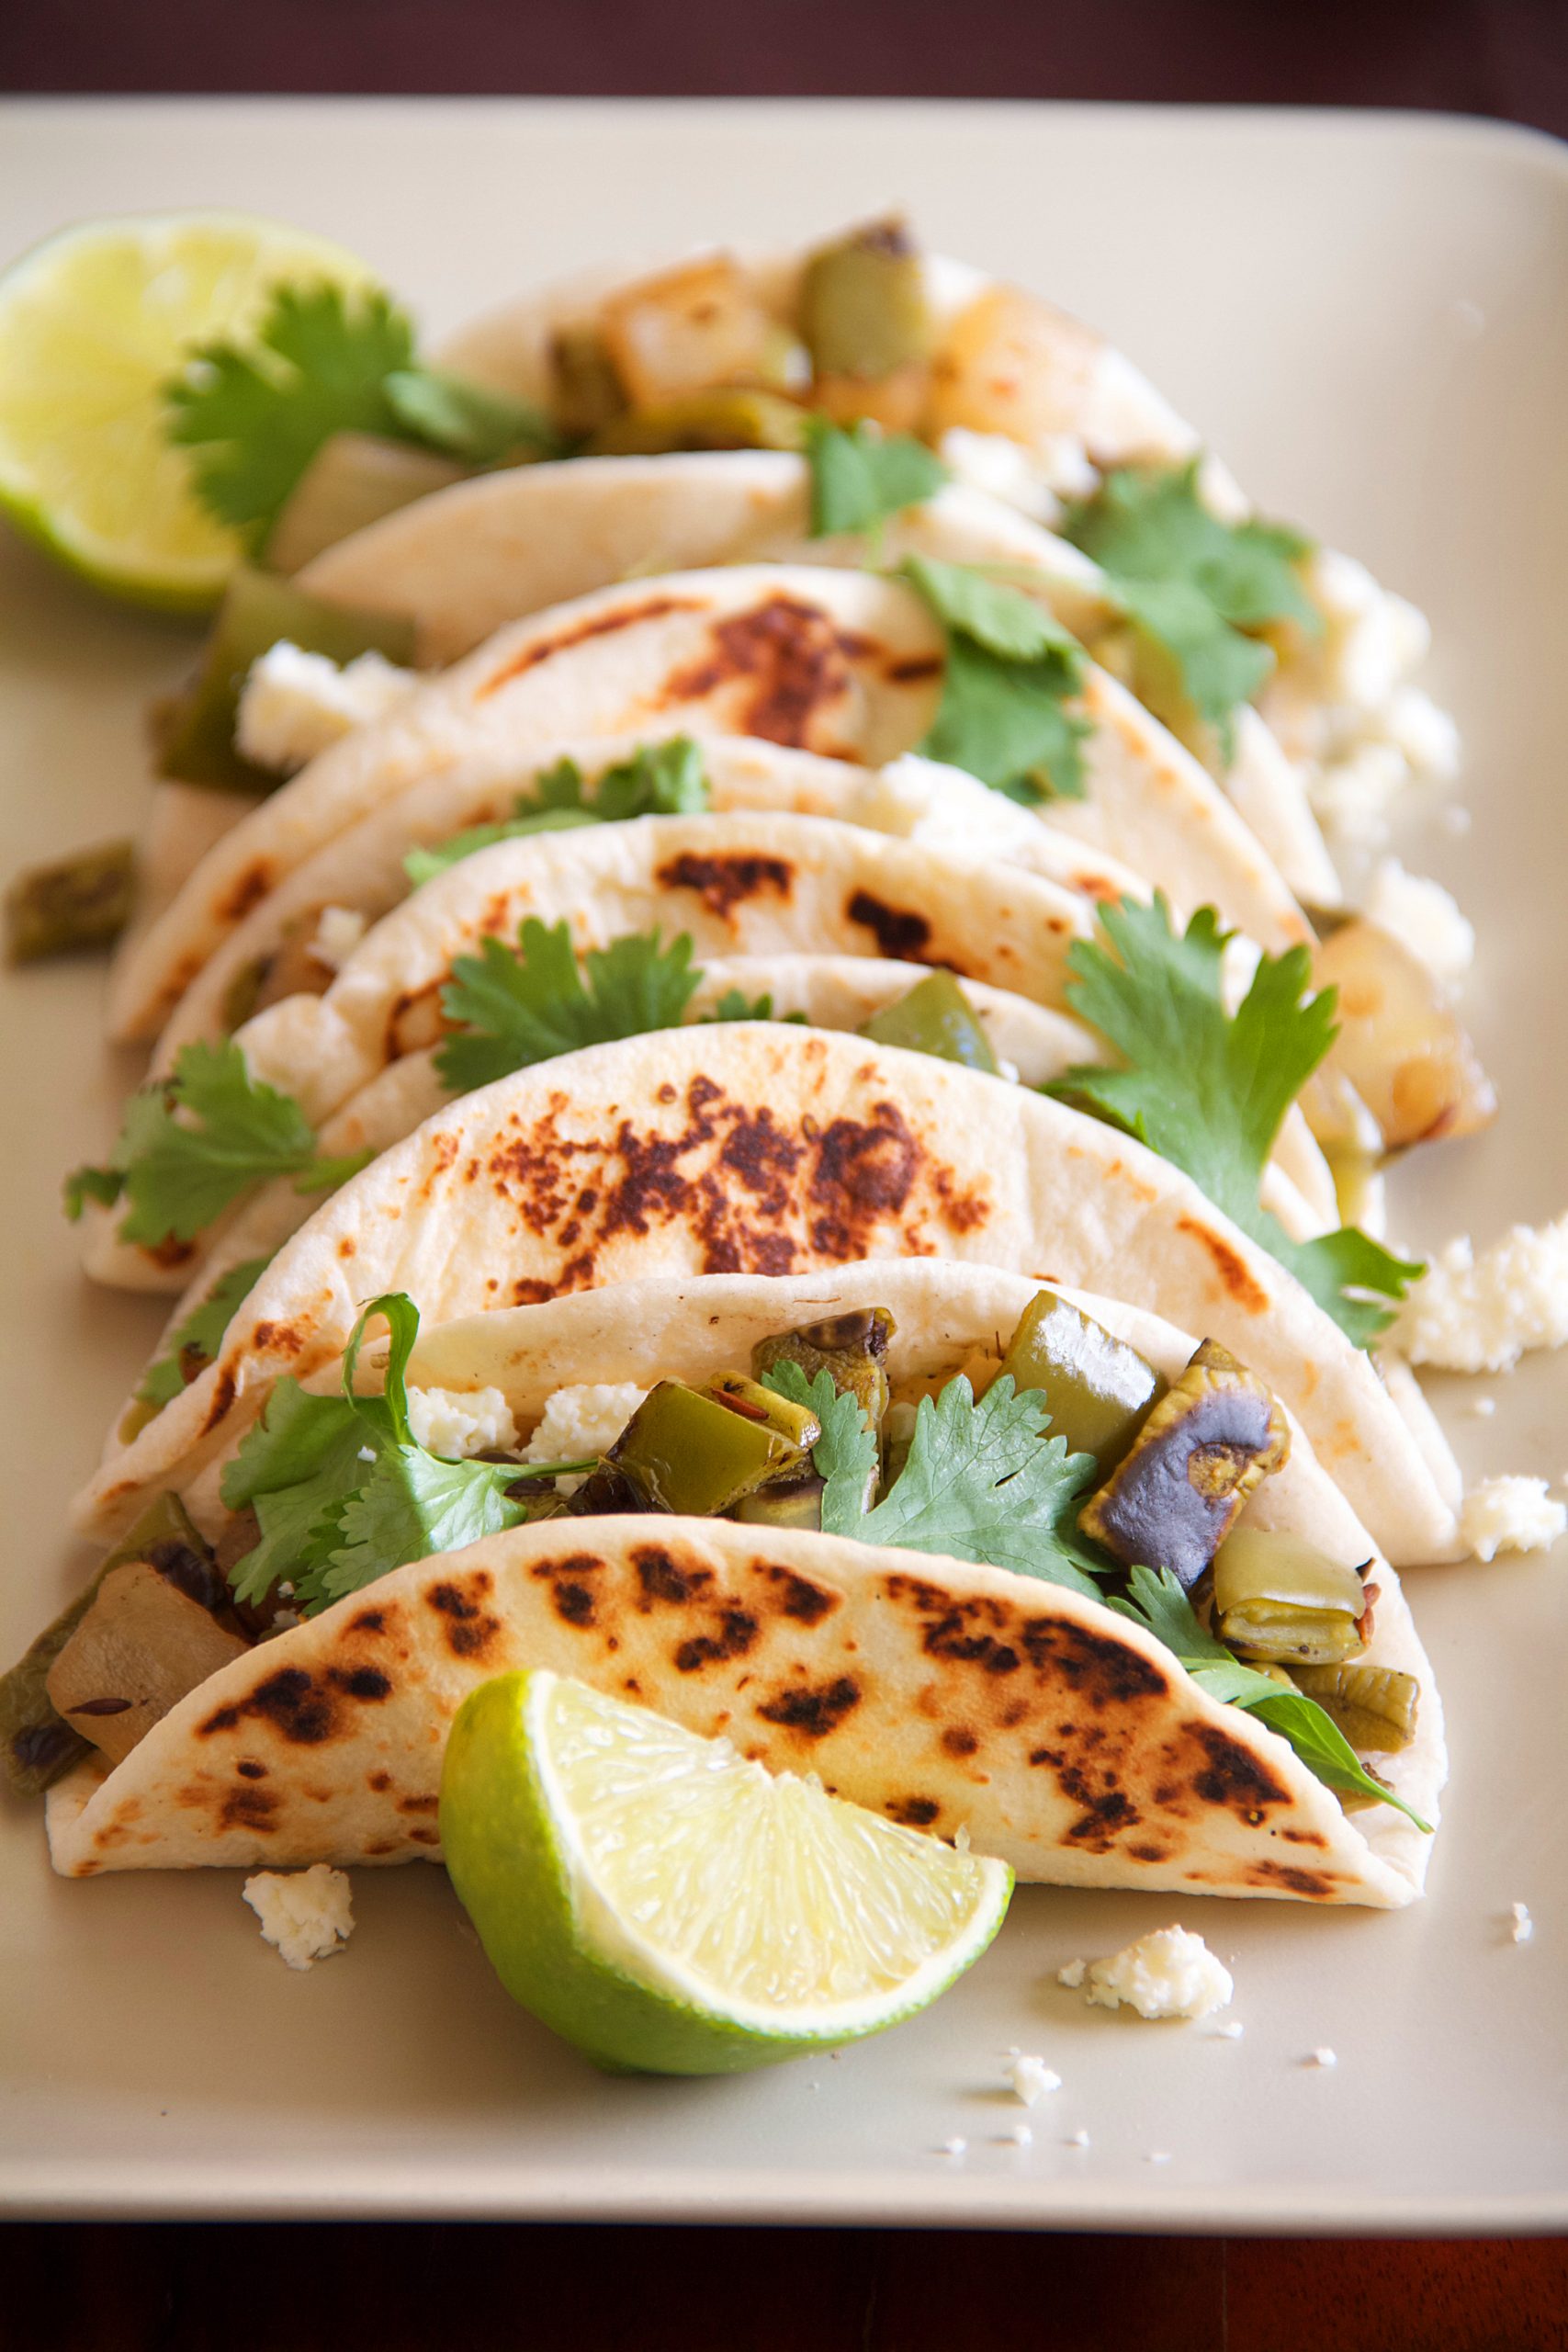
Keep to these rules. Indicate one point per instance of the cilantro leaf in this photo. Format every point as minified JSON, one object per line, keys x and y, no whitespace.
{"x":1208,"y":1089}
{"x":1156,"y":1601}
{"x":663,"y":779}
{"x":326,"y":361}
{"x":422,"y":865}
{"x":294,"y":1467}
{"x":735,"y":1005}
{"x":527,"y":1004}
{"x":1010,"y":670}
{"x":982,"y":1481}
{"x":343,"y":1493}
{"x":860,"y":476}
{"x":195,"y":1342}
{"x":193,"y":1143}
{"x":411,"y":1505}
{"x":1192,"y":584}
{"x":255,"y":415}
{"x":472,"y":421}
{"x":845,"y":1455}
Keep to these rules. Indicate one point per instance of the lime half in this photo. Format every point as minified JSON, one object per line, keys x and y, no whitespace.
{"x":91,"y":325}
{"x":673,"y":1909}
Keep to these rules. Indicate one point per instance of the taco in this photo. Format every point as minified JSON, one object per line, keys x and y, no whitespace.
{"x":844,"y":665}
{"x":894,"y":1593}
{"x":1251,"y":631}
{"x":765,"y":1148}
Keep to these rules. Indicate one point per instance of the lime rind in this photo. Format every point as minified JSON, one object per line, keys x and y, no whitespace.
{"x":561,"y":1939}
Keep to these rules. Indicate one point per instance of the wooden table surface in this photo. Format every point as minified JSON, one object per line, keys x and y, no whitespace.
{"x":69,"y":2288}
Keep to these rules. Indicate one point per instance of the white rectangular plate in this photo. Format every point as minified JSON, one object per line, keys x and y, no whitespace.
{"x":1366,"y":314}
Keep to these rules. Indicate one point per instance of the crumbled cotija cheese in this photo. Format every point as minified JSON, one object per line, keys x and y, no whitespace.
{"x":458,"y":1423}
{"x":1471,"y":1313}
{"x":1423,"y":917}
{"x":580,"y":1421}
{"x":305,"y":1915}
{"x":1031,"y":2078}
{"x":1170,"y":1973}
{"x":1510,"y":1515}
{"x":293,"y":704}
{"x":339,"y":931}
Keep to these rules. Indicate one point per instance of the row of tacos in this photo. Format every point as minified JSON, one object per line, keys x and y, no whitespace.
{"x":768,"y":1128}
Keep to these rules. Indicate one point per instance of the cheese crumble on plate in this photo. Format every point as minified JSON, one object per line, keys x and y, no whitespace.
{"x":1170,"y":1973}
{"x":1471,"y":1313}
{"x":305,"y":1915}
{"x":1510,"y":1515}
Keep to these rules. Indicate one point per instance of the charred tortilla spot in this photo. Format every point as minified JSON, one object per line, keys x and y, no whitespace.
{"x":380,"y":1782}
{"x":1149,"y":1852}
{"x":1096,"y":1828}
{"x":913,"y":1813}
{"x":247,"y":890}
{"x":786,"y":663}
{"x":418,"y":1804}
{"x":1099,"y":1668}
{"x":662,"y":1578}
{"x":722,"y":883}
{"x":369,"y":1621}
{"x":914,"y":669}
{"x":601,"y":624}
{"x":278,"y":1339}
{"x":735,"y":1635}
{"x":426,"y":1837}
{"x":813,"y":1712}
{"x":469,"y":1631}
{"x":1233,"y":1776}
{"x":798,"y":1599}
{"x":899,"y":932}
{"x":1248,"y":1295}
{"x":224,"y":1389}
{"x":289,"y":1701}
{"x":248,"y":1808}
{"x":1302,"y":1838}
{"x":1319,"y":1883}
{"x":250,"y":1770}
{"x":573,"y":1603}
{"x":365,"y":1683}
{"x":864,"y":1173}
{"x":764,"y":1158}
{"x":958,"y":1741}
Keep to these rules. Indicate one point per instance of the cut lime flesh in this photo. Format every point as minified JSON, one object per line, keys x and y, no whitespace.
{"x":673,"y":1908}
{"x":93,"y":325}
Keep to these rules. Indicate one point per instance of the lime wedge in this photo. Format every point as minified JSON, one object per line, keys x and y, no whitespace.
{"x":91,"y":325}
{"x":673,"y":1909}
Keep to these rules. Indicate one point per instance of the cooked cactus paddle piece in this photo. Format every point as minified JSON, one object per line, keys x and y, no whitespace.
{"x":82,"y":901}
{"x":1204,"y":1448}
{"x":1278,"y":1598}
{"x":585,"y":391}
{"x":36,"y":1741}
{"x":1098,"y":1388}
{"x":140,"y":1646}
{"x":868,"y":327}
{"x":726,"y":417}
{"x":935,"y":1017}
{"x":1374,"y":1706}
{"x":692,"y":1453}
{"x":197,"y":732}
{"x":852,"y":1347}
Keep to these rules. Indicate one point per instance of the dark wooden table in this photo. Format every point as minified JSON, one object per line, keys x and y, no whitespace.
{"x":186,"y":2289}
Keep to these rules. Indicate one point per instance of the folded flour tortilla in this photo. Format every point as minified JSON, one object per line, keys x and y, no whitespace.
{"x":948,"y":1696}
{"x":767,"y":1148}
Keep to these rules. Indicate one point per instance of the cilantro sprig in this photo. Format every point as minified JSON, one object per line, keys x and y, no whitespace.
{"x":1011,"y":668}
{"x":1192,"y":586}
{"x":526,"y":1004}
{"x":1156,"y":1601}
{"x":981,"y":1481}
{"x":662,"y":779}
{"x":192,"y":1144}
{"x":860,"y":476}
{"x":194,"y":1343}
{"x":343,"y":1493}
{"x":1208,"y":1089}
{"x":324,"y":361}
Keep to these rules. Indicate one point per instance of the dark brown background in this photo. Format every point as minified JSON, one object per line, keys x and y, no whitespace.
{"x":552,"y":2289}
